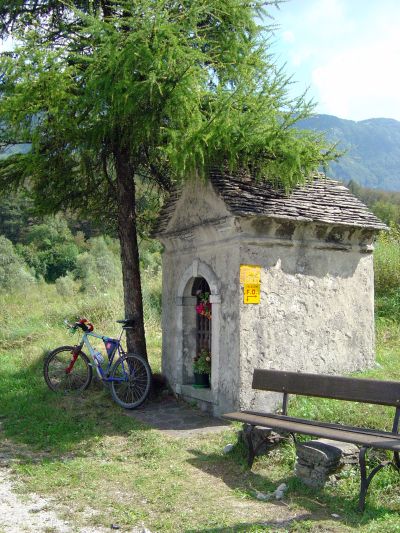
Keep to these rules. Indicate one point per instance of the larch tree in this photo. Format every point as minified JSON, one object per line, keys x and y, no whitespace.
{"x":112,"y":92}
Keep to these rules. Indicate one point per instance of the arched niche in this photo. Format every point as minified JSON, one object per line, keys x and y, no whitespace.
{"x":187,"y":342}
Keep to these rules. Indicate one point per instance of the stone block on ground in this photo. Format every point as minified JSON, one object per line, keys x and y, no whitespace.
{"x":263,"y":438}
{"x":318,"y":459}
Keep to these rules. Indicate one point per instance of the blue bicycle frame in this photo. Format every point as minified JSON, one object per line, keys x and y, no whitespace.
{"x":104,"y":375}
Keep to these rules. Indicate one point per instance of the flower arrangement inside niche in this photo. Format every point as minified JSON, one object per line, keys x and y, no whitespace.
{"x":203,"y":308}
{"x":202,"y":362}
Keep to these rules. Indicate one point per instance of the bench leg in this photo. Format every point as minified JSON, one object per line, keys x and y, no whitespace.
{"x":253,"y":450}
{"x":250,"y":447}
{"x":396,"y":460}
{"x":366,"y":479}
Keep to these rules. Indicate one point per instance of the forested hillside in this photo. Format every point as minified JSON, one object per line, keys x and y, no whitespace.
{"x":372,"y":146}
{"x":74,"y":255}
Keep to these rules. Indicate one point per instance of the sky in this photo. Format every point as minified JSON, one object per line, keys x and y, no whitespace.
{"x":346,"y":51}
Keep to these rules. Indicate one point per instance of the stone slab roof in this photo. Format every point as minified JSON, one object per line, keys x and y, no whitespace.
{"x":321,"y":200}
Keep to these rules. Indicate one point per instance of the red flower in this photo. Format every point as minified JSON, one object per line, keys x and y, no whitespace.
{"x":203,"y":308}
{"x":200,"y":308}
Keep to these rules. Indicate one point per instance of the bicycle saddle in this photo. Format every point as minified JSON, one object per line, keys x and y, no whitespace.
{"x":127,"y":323}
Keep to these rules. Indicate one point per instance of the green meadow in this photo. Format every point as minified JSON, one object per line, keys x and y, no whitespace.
{"x":99,"y":467}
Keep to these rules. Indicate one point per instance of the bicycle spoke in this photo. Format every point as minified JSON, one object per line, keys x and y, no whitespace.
{"x":132,"y":381}
{"x":55,"y":370}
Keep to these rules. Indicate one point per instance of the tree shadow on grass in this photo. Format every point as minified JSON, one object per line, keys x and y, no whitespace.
{"x":43,"y":423}
{"x":320,"y":505}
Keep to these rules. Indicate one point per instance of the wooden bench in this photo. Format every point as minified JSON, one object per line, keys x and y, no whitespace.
{"x":339,"y":388}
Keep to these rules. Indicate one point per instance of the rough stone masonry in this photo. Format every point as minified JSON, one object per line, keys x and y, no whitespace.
{"x":318,"y":459}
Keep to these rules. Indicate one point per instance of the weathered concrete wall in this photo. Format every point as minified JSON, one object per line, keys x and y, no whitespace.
{"x":204,"y":249}
{"x":316,"y":312}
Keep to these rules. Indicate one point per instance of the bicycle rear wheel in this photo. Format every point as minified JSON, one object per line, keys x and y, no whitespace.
{"x":63,"y":374}
{"x":131,"y":381}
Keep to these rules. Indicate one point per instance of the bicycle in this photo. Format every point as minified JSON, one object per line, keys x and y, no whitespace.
{"x":68,"y":368}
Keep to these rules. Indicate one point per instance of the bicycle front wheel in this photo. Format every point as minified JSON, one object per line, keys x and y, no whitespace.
{"x":64,"y":372}
{"x":130,"y":381}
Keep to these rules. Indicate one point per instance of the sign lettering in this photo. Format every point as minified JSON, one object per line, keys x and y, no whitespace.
{"x":251,"y":293}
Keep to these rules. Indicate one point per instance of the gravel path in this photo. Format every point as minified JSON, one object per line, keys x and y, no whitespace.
{"x":20,"y":513}
{"x":33,"y":514}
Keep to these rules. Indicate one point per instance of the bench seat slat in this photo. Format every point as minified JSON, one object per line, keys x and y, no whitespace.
{"x":345,"y":434}
{"x":324,"y":386}
{"x":324,"y":424}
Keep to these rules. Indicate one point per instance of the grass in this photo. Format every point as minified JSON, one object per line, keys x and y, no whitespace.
{"x":99,"y":467}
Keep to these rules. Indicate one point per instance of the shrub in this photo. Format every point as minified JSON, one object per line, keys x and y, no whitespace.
{"x":387,"y":262}
{"x":99,"y":269}
{"x":66,"y":285}
{"x":50,"y":249}
{"x":150,"y":255}
{"x":151,"y":287}
{"x":13,"y":270}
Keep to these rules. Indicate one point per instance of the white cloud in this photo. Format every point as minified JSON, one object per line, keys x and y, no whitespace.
{"x":288,"y":36}
{"x":362,"y":78}
{"x":321,"y":10}
{"x":301,"y":55}
{"x":347,"y":51}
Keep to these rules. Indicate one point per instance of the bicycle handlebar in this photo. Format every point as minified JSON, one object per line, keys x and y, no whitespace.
{"x":83,"y":324}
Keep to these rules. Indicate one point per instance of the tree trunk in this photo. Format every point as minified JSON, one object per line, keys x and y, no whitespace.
{"x":133,"y":303}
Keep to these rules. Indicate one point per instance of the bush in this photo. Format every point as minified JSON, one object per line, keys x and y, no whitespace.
{"x":150,"y":255}
{"x":152,"y":289}
{"x":387,"y":262}
{"x":50,"y":249}
{"x":150,"y":263}
{"x":66,"y":285}
{"x":99,"y":269}
{"x":13,"y":270}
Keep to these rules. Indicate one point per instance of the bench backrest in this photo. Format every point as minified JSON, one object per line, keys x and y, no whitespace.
{"x":323,"y":386}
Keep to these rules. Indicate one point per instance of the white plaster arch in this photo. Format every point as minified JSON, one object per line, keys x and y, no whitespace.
{"x":199,"y":269}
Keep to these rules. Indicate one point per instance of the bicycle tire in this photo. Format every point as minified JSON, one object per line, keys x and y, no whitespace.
{"x":56,"y":377}
{"x":135,"y":387}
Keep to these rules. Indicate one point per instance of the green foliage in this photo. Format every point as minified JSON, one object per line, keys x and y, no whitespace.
{"x":13,"y":271}
{"x":67,"y":286}
{"x":178,"y":88}
{"x":99,"y":268}
{"x":387,"y":275}
{"x":98,"y":271}
{"x":16,"y":212}
{"x":202,"y":362}
{"x":50,"y":249}
{"x":122,"y":95}
{"x":385,"y":205}
{"x":150,"y":262}
{"x":387,"y":261}
{"x":150,"y":256}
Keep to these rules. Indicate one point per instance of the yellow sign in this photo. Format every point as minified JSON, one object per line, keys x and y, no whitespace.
{"x":251,"y":293}
{"x":250,"y":274}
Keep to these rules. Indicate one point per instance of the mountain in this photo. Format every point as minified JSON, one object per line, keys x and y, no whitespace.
{"x":372,"y":147}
